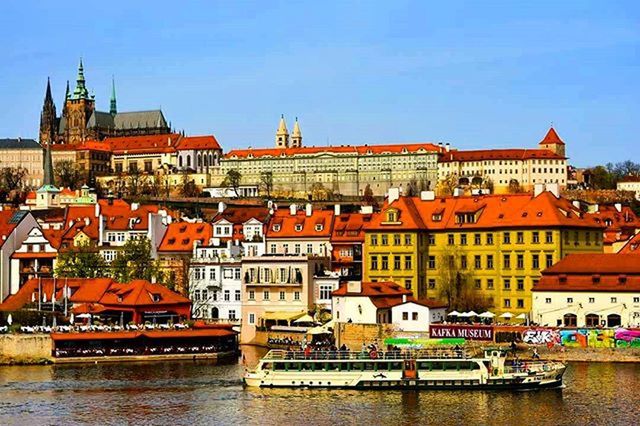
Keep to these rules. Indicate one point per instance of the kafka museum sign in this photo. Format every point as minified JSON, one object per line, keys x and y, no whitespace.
{"x":471,"y":332}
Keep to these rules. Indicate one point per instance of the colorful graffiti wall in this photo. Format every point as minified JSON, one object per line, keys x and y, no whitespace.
{"x":583,"y":337}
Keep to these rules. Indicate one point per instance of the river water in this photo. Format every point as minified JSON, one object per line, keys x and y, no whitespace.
{"x":190,"y":393}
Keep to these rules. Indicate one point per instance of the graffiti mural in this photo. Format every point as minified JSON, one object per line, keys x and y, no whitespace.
{"x":583,"y":337}
{"x":541,"y":337}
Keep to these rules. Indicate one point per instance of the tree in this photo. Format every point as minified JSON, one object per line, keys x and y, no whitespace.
{"x":12,"y":178}
{"x":515,"y":187}
{"x":412,"y":188}
{"x":81,"y":262}
{"x":188,"y":186}
{"x":447,"y":185}
{"x":455,"y":283}
{"x":367,"y":196}
{"x":67,"y":174}
{"x":602,"y":177}
{"x":319,"y":192}
{"x":134,"y":262}
{"x":232,"y":180}
{"x":266,"y":182}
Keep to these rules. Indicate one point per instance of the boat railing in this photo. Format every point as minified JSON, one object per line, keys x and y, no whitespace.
{"x":526,"y":366}
{"x":279,"y":354}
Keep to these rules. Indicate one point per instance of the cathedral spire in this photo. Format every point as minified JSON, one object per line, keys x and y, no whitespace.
{"x":47,"y":97}
{"x":113,"y":110}
{"x":48,"y":117}
{"x":296,"y":135}
{"x":80,"y":92}
{"x":282,"y":135}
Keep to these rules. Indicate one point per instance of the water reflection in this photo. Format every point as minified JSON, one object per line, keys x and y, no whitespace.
{"x":203,"y":393}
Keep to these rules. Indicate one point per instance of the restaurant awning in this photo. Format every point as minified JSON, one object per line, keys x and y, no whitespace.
{"x":282,"y":315}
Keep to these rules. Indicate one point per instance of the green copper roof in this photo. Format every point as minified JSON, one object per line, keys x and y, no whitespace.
{"x":80,"y":92}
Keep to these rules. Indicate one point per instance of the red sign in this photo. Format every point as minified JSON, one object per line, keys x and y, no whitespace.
{"x":469,"y":332}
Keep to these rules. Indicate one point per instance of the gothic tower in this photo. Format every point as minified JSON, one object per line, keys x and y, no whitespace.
{"x":282,"y":135}
{"x":296,"y":136}
{"x":48,"y":119}
{"x":553,"y":143}
{"x":79,"y":107}
{"x":113,"y":108}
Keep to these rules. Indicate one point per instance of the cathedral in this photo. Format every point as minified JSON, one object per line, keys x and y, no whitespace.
{"x":81,"y":121}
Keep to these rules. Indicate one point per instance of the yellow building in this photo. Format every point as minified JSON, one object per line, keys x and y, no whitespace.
{"x":489,"y":247}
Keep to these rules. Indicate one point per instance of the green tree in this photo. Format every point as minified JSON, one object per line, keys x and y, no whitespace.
{"x":67,"y":174}
{"x":81,"y":262}
{"x":602,"y":177}
{"x":135,"y":262}
{"x":232,"y":180}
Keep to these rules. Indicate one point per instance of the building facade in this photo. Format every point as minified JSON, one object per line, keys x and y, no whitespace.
{"x":24,"y":154}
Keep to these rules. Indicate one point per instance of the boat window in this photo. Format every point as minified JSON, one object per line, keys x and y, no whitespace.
{"x":279,"y":366}
{"x":424,"y":365}
{"x":266,"y":366}
{"x":436,"y":366}
{"x":369,"y":365}
{"x":344,"y":366}
{"x":396,"y":366}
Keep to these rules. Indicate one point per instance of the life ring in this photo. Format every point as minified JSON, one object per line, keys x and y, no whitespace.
{"x":373,"y":354}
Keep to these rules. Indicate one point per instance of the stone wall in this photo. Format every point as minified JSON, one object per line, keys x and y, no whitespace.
{"x":25,"y":348}
{"x":354,"y":335}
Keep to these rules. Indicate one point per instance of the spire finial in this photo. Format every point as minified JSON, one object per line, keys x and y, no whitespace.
{"x":113,"y":109}
{"x":47,"y":96}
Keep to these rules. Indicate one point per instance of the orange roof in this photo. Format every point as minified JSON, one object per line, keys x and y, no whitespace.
{"x":54,"y":236}
{"x":198,"y":142}
{"x":79,"y":219}
{"x":241,"y":214}
{"x":31,"y":195}
{"x":63,"y":147}
{"x":310,"y":150}
{"x":285,"y":225}
{"x":92,"y":145}
{"x":155,"y":334}
{"x":6,"y":224}
{"x":349,"y":227}
{"x":493,"y":211}
{"x":103,"y":291}
{"x":592,"y":272}
{"x":146,"y":143}
{"x":632,"y":246}
{"x":498,"y":154}
{"x":180,"y":236}
{"x":119,"y":215}
{"x":377,"y":289}
{"x":551,"y":137}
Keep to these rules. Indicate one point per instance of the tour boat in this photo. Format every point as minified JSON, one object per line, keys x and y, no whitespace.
{"x":407,"y":369}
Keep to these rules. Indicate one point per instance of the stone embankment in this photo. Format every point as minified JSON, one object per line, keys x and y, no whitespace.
{"x":25,"y":349}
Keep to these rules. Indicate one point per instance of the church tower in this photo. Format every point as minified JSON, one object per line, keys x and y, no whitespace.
{"x":552,"y":142}
{"x":282,"y":135}
{"x":113,"y":107}
{"x":296,"y":136}
{"x":48,"y":119}
{"x":79,"y":107}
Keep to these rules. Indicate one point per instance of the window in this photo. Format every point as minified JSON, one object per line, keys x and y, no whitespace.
{"x":507,"y":303}
{"x":282,"y":295}
{"x":232,"y":314}
{"x":431,"y":262}
{"x":463,"y":261}
{"x":237,"y":295}
{"x":548,"y":237}
{"x":265,"y":295}
{"x":547,"y":300}
{"x":374,"y":240}
{"x":432,"y":283}
{"x":212,"y":274}
{"x":463,"y":239}
{"x":384,"y":261}
{"x":405,"y":316}
{"x":478,"y":283}
{"x":309,"y":248}
{"x":396,"y":262}
{"x":236,"y":273}
{"x":431,"y":239}
{"x":506,"y":261}
{"x":396,"y":239}
{"x":374,"y":263}
{"x":407,"y":263}
{"x":407,"y":284}
{"x":252,"y":318}
{"x":414,"y":316}
{"x":296,"y":248}
{"x":489,"y":239}
{"x":272,"y":248}
{"x":407,"y":239}
{"x":549,"y":260}
{"x":252,"y":295}
{"x":592,"y":320}
{"x":535,"y":237}
{"x":535,"y":261}
{"x":214,"y":296}
{"x":296,"y":295}
{"x":592,"y":300}
{"x":325,"y":292}
{"x":196,"y":295}
{"x":506,"y":238}
{"x":227,"y":273}
{"x":205,"y":295}
{"x":385,"y":240}
{"x":520,"y":284}
{"x":489,"y":261}
{"x":520,"y":237}
{"x":227,"y":295}
{"x":520,"y":303}
{"x":477,"y":261}
{"x":636,"y":300}
{"x":569,"y":299}
{"x":614,"y":300}
{"x":507,"y":284}
{"x":450,"y":239}
{"x":520,"y":261}
{"x":490,"y":284}
{"x":477,"y":239}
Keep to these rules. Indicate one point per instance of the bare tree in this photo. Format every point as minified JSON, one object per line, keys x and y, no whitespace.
{"x":12,"y":178}
{"x":232,"y":180}
{"x":447,"y":185}
{"x":67,"y":174}
{"x":455,"y":282}
{"x":266,"y":182}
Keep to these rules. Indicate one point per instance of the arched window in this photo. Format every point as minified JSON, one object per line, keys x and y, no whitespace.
{"x":180,"y":162}
{"x":614,"y":320}
{"x":211,"y":160}
{"x":188,"y":161}
{"x":199,"y":161}
{"x":570,"y":320}
{"x":215,"y":313}
{"x":592,"y":320}
{"x":206,"y":160}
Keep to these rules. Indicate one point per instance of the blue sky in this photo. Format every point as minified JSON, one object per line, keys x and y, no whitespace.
{"x":476,"y":75}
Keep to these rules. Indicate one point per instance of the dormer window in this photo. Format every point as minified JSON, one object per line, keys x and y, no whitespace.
{"x":436,"y":217}
{"x":319,"y":227}
{"x":298,"y":227}
{"x":276,"y":228}
{"x":155,"y":297}
{"x":391,"y":215}
{"x":596,"y":279}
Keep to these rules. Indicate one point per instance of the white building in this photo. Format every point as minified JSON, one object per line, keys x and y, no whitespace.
{"x":416,"y":316}
{"x":323,"y":286}
{"x":15,"y":227}
{"x":630,"y":183}
{"x":589,"y":290}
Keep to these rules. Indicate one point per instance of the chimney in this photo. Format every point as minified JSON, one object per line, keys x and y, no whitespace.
{"x":336,"y":209}
{"x":221,"y":207}
{"x":404,"y":298}
{"x":354,"y":287}
{"x":596,"y":208}
{"x":427,"y":195}
{"x":19,"y":139}
{"x":135,"y":206}
{"x":169,"y":141}
{"x":538,"y":189}
{"x":293,"y":209}
{"x":554,"y":188}
{"x":576,"y":204}
{"x":86,"y":221}
{"x":309,"y":209}
{"x":618,"y":206}
{"x":393,"y":195}
{"x":457,"y":192}
{"x":447,"y":147}
{"x":366,"y":209}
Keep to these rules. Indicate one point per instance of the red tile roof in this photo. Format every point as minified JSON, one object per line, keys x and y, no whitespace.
{"x":632,"y":246}
{"x":119,"y":215}
{"x":241,"y":214}
{"x":371,"y":289}
{"x":142,"y":144}
{"x":498,"y":154}
{"x":63,"y":147}
{"x":92,"y":145}
{"x":288,"y":224}
{"x":593,"y":272}
{"x":551,"y":137}
{"x":310,"y":150}
{"x":198,"y":142}
{"x":493,"y":211}
{"x":180,"y":236}
{"x":349,"y":227}
{"x":630,"y":178}
{"x":6,"y":224}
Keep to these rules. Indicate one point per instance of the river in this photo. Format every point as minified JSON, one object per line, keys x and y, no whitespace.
{"x":193,"y":393}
